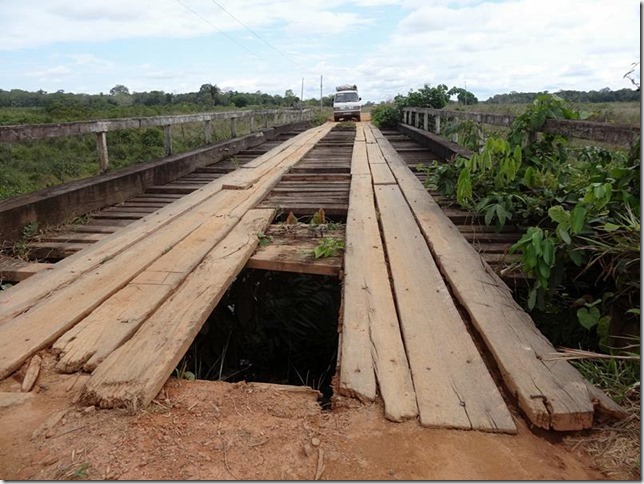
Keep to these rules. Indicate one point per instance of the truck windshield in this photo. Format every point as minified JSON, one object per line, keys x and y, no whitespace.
{"x":346,"y":97}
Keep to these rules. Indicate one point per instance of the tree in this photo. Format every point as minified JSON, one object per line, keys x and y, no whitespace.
{"x":119,"y":89}
{"x":464,"y":96}
{"x":209,"y":94}
{"x":426,"y":97}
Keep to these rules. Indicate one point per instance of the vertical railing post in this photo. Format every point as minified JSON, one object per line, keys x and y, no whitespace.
{"x":101,"y":145}
{"x":437,"y":124}
{"x":167,"y":139}
{"x":208,"y":131}
{"x":233,"y":127}
{"x":426,"y":122}
{"x":252,"y":121}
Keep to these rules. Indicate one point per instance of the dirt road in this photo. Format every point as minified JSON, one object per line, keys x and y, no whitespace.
{"x":217,"y":430}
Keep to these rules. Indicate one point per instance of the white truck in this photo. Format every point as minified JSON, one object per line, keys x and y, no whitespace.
{"x":346,"y":102}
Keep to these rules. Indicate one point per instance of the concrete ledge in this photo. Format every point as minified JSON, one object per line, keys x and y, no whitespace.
{"x":439,"y":145}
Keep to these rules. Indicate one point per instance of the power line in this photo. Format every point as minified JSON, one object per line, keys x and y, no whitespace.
{"x":255,"y":33}
{"x":218,"y":29}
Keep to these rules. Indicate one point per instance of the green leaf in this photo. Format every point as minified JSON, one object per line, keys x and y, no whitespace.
{"x":634,"y":311}
{"x":576,"y":256}
{"x":588,"y":317}
{"x":544,"y":270}
{"x":489,"y":215}
{"x":501,"y":214}
{"x":611,"y":227}
{"x":560,"y":215}
{"x":578,"y":217}
{"x":532,"y":299}
{"x":564,"y":235}
{"x":549,"y":252}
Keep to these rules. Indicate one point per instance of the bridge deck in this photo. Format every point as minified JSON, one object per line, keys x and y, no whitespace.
{"x":425,"y":321}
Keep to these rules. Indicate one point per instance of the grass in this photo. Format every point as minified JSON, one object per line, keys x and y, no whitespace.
{"x":614,"y":112}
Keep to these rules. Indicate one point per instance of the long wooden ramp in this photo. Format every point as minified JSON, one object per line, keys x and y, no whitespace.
{"x":425,"y":257}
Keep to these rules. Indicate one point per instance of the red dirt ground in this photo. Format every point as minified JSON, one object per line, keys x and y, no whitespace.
{"x":216,"y":430}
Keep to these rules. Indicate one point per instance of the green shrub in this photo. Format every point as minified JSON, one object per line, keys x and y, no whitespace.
{"x":386,"y":116}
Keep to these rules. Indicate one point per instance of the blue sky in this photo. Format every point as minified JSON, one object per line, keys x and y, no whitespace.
{"x":387,"y":47}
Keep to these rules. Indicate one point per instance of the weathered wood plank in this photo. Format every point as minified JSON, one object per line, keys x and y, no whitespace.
{"x":18,"y":270}
{"x":290,"y":249}
{"x":453,"y":386}
{"x":90,"y":341}
{"x":294,"y":258}
{"x":16,"y":301}
{"x":134,"y":373}
{"x":371,"y":341}
{"x":59,"y":310}
{"x":382,"y":174}
{"x":552,"y":394}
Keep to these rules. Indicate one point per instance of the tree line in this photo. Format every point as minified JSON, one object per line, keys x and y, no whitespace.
{"x":121,"y":102}
{"x":604,"y":95}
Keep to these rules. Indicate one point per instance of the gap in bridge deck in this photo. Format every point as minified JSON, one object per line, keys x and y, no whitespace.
{"x":271,"y":327}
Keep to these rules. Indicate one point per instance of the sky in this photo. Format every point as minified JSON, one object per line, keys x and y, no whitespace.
{"x":386,"y":47}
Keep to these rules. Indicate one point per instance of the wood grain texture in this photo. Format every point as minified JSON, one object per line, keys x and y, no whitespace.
{"x":551,"y":393}
{"x":60,"y":308}
{"x":453,"y":386}
{"x":371,"y":340}
{"x":20,"y":299}
{"x":134,"y":373}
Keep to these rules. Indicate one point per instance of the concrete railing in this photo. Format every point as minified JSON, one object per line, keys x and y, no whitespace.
{"x":617,"y":134}
{"x":28,"y":132}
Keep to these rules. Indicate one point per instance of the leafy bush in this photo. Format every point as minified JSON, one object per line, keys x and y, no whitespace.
{"x":386,"y":116}
{"x":581,"y":209}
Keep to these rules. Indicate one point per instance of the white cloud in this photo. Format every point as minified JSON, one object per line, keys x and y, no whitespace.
{"x":493,"y":46}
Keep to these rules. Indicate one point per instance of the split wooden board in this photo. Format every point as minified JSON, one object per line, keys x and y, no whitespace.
{"x":134,"y":373}
{"x":60,"y":308}
{"x":371,"y":343}
{"x":453,"y":386}
{"x":552,"y":393}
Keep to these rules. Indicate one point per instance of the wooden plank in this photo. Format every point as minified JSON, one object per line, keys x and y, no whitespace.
{"x":552,"y":394}
{"x":18,"y":270}
{"x":14,"y":302}
{"x":134,"y":373}
{"x":453,"y":386}
{"x":371,"y":343}
{"x":56,"y":250}
{"x":59,"y":310}
{"x":115,"y":321}
{"x":382,"y":174}
{"x":74,"y":237}
{"x":294,"y":258}
{"x":290,"y":249}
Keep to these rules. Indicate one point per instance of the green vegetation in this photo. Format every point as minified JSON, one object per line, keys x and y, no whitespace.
{"x":328,"y":247}
{"x":32,"y":165}
{"x":581,"y":208}
{"x":621,"y":107}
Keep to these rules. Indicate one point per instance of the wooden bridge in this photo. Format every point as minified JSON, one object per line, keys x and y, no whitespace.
{"x":426,"y":325}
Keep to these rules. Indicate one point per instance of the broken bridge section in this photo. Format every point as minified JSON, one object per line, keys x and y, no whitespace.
{"x":419,"y":303}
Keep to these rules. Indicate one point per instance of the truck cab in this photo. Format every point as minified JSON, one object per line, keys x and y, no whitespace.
{"x":346,"y":103}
